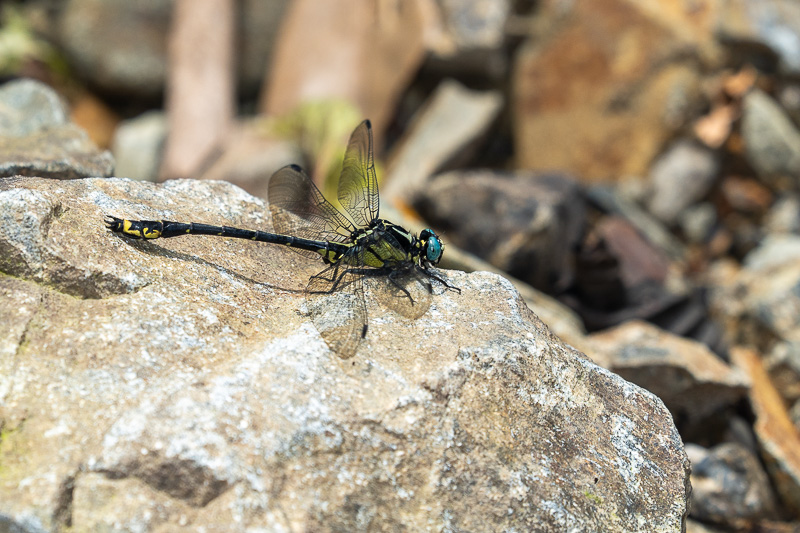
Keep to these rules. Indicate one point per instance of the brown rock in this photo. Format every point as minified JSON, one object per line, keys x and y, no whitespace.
{"x":607,"y":83}
{"x":693,"y":382}
{"x":200,"y":98}
{"x":777,"y":436}
{"x":360,"y":51}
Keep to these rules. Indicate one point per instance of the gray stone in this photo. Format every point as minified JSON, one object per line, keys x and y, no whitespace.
{"x":697,"y":222}
{"x":121,"y":46}
{"x":682,"y":176}
{"x":784,"y":215}
{"x":773,"y":251}
{"x":28,"y":106}
{"x":36,"y":138}
{"x":117,"y":45}
{"x":539,"y":216}
{"x":772,"y":142}
{"x":191,"y":390}
{"x":771,"y":296}
{"x":476,"y":23}
{"x":729,"y":486}
{"x":455,"y":119}
{"x":138,"y":144}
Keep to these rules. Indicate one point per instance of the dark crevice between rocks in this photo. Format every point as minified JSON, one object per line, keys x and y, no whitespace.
{"x":62,"y":516}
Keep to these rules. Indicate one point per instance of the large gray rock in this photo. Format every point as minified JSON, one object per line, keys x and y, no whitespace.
{"x":37,"y":139}
{"x":178,"y":384}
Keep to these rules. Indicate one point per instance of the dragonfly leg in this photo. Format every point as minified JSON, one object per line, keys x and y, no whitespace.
{"x":437,"y":277}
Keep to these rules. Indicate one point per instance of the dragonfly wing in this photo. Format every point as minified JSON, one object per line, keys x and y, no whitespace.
{"x":358,"y":184}
{"x":335,"y":299}
{"x":299,"y":208}
{"x":407,"y":292}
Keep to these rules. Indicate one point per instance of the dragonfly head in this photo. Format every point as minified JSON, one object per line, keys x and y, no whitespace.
{"x":431,"y":246}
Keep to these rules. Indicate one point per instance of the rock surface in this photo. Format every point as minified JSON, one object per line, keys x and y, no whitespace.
{"x":176,"y":384}
{"x":37,"y":139}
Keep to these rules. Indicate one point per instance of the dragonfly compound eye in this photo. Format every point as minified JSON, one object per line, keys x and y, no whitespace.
{"x":433,"y":247}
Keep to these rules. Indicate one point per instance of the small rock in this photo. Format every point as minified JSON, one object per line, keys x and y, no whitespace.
{"x":138,"y":144}
{"x":773,"y":252}
{"x":772,"y":142}
{"x":538,"y":217}
{"x":36,"y":138}
{"x":784,"y":216}
{"x":772,"y":297}
{"x":729,"y":486}
{"x":454,"y":120}
{"x":682,"y":176}
{"x":693,"y":382}
{"x":29,"y":107}
{"x":476,"y":23}
{"x":746,"y":195}
{"x":697,"y":222}
{"x":469,"y":39}
{"x":783,"y":364}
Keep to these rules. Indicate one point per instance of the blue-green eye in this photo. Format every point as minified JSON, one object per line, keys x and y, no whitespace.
{"x":433,"y":246}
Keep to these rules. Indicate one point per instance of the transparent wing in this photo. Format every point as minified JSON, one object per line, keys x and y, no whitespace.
{"x":335,"y":299}
{"x":299,"y":208}
{"x":407,"y":292}
{"x":358,"y":184}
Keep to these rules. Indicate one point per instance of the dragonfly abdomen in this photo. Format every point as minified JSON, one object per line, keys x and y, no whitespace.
{"x":162,"y":229}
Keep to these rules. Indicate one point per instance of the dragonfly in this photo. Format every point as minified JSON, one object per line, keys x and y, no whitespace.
{"x":354,"y":243}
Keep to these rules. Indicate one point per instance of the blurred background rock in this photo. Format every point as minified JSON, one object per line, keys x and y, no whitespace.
{"x":634,"y":165}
